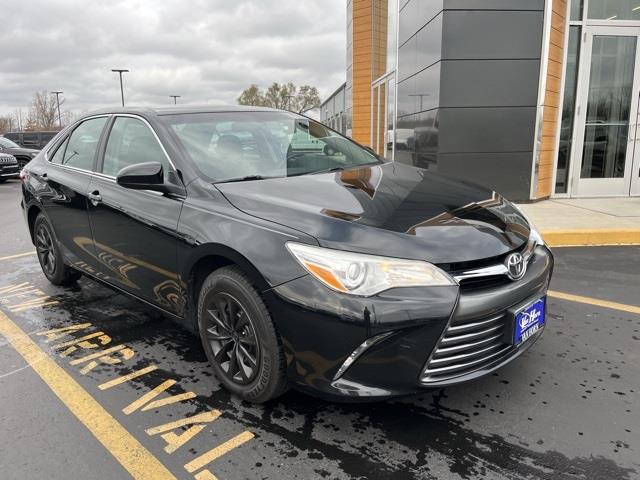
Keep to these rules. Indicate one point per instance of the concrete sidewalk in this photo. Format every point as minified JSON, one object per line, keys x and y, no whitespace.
{"x":587,"y":221}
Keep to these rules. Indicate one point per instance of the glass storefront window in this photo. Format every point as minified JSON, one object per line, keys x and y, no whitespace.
{"x":608,"y":107}
{"x":576,"y":10}
{"x":568,"y":109}
{"x":392,"y":35}
{"x":614,"y":9}
{"x":391,"y":98}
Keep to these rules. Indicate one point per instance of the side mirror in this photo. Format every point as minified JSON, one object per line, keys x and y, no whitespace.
{"x":143,"y":176}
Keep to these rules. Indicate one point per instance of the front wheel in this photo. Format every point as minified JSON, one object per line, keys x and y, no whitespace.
{"x":239,"y":337}
{"x":49,"y":254}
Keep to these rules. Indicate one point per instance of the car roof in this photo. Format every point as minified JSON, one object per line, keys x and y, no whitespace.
{"x":180,"y":109}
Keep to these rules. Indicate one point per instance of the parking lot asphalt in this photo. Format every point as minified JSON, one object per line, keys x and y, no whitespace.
{"x":96,"y":385}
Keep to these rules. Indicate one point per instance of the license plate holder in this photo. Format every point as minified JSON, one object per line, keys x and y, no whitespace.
{"x":528,"y":320}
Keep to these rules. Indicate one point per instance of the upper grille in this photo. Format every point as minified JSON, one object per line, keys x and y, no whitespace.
{"x":467,"y":347}
{"x":455,"y":268}
{"x":477,"y":283}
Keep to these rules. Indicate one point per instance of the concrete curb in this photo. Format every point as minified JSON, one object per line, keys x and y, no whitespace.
{"x":592,"y":237}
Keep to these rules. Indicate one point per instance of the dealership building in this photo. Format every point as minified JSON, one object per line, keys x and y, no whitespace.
{"x":532,"y":98}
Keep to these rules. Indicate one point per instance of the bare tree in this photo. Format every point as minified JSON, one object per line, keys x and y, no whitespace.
{"x":18,"y":120}
{"x":285,"y":96}
{"x":31,"y":125}
{"x":44,"y":111}
{"x":5,"y":124}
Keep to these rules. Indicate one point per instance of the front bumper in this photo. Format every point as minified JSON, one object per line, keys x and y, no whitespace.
{"x":9,"y":171}
{"x":321,"y":329}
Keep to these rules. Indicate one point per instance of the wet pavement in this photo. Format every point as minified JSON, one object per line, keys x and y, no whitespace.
{"x":566,"y":409}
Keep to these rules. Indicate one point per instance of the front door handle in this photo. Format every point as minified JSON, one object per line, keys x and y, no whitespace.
{"x":95,"y":198}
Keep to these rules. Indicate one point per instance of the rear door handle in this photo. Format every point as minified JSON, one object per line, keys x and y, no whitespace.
{"x":95,"y":198}
{"x":45,"y":177}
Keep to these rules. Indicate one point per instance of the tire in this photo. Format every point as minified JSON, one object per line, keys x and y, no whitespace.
{"x":50,"y":256}
{"x":237,"y":331}
{"x":2,"y":180}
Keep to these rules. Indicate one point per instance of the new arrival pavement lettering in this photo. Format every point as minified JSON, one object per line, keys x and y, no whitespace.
{"x":566,"y":409}
{"x":24,"y":296}
{"x":176,"y":434}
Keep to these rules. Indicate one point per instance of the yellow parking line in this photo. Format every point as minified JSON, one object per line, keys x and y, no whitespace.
{"x":594,"y":301}
{"x":134,"y":457}
{"x":18,"y":255}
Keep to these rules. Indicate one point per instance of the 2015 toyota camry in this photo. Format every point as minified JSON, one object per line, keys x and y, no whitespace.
{"x":299,"y":257}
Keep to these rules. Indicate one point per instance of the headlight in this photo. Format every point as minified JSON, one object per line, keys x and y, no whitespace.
{"x":360,"y":274}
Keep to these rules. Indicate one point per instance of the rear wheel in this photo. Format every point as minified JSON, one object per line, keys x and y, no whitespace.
{"x":49,"y":255}
{"x":239,"y":337}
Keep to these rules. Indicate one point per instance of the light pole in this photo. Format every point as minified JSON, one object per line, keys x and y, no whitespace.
{"x":58,"y":93}
{"x":120,"y":71}
{"x":175,"y":98}
{"x":421,"y":95}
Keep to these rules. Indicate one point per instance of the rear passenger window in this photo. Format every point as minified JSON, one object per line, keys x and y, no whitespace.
{"x":83,"y":143}
{"x":59,"y":155}
{"x":131,"y":142}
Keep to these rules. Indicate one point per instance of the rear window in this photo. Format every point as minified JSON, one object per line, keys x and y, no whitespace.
{"x":30,"y":139}
{"x":232,"y":145}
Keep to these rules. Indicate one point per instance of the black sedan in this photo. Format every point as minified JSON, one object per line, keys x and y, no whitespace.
{"x":23,"y":155}
{"x":299,"y":257}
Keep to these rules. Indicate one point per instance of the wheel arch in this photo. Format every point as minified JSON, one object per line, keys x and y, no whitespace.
{"x":204,"y":260}
{"x":32,"y":214}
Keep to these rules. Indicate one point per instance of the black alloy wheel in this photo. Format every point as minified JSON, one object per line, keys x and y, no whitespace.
{"x":239,"y":336}
{"x":49,"y":255}
{"x":45,"y":249}
{"x":232,"y":337}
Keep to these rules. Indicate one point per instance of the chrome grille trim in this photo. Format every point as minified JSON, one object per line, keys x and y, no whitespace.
{"x":467,"y":346}
{"x":474,"y":352}
{"x":470,"y":326}
{"x":364,"y":346}
{"x":467,"y":365}
{"x":470,"y":336}
{"x":494,"y":270}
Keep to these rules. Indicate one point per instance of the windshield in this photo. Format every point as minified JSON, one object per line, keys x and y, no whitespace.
{"x":6,"y":143}
{"x":230,"y":146}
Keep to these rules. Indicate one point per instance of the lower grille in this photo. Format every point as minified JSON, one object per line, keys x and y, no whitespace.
{"x":466,"y":347}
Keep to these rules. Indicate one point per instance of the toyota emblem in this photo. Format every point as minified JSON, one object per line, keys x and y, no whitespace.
{"x":516,"y":267}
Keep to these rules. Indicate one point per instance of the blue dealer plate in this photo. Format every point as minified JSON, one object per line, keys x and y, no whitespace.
{"x":529,"y":320}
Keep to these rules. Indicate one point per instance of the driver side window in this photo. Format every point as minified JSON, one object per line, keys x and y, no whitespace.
{"x":131,"y":142}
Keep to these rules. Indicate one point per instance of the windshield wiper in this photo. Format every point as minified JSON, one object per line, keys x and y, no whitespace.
{"x":328,"y":170}
{"x":340,"y":169}
{"x":247,"y":178}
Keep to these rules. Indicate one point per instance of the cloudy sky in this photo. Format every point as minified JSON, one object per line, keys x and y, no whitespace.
{"x":208,"y":51}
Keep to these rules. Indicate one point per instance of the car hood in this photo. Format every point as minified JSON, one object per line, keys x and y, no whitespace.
{"x":23,"y":151}
{"x":389,"y":209}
